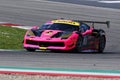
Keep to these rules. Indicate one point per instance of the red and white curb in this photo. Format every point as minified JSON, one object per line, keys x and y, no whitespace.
{"x":14,"y":25}
{"x":60,"y":72}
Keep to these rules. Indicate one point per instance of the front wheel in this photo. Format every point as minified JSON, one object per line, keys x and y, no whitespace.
{"x":30,"y":49}
{"x":102,"y":43}
{"x":79,"y":44}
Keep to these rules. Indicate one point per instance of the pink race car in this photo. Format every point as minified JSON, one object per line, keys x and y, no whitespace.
{"x":66,"y":35}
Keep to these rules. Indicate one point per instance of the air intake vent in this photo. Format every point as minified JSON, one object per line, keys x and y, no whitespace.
{"x":37,"y":32}
{"x":45,"y":44}
{"x":57,"y":35}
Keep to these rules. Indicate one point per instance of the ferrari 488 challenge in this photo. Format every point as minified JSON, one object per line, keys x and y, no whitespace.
{"x":66,"y":35}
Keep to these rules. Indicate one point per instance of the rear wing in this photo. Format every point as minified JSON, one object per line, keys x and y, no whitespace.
{"x":93,"y":22}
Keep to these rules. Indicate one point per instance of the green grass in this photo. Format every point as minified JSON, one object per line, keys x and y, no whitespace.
{"x":11,"y":38}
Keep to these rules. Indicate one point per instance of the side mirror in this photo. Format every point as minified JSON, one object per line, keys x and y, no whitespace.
{"x":78,"y":32}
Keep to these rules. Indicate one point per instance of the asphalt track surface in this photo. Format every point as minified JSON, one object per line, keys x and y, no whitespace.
{"x":96,"y":3}
{"x":35,"y":12}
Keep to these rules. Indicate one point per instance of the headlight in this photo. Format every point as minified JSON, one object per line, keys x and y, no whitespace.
{"x":66,"y":35}
{"x":30,"y":33}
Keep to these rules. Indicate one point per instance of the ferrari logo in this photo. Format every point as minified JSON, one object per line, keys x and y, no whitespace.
{"x":49,"y":33}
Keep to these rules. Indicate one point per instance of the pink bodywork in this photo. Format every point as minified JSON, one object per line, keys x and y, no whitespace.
{"x":88,"y":31}
{"x":69,"y":43}
{"x":46,"y":37}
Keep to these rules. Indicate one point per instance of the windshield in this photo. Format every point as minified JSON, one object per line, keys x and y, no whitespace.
{"x":59,"y":26}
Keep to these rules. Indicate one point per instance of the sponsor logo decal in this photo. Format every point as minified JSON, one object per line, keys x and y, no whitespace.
{"x":66,"y":22}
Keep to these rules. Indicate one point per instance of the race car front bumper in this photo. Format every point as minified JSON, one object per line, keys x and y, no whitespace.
{"x":49,"y":44}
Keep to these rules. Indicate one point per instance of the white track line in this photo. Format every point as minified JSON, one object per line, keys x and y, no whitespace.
{"x":22,"y":27}
{"x":109,"y":1}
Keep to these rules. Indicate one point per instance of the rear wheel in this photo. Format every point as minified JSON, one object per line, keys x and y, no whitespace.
{"x":30,"y":49}
{"x":102,"y":43}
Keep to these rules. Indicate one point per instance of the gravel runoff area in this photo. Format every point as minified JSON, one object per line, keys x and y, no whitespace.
{"x":39,"y":77}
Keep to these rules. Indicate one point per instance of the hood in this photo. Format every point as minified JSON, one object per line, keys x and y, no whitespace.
{"x":51,"y":33}
{"x":55,"y":34}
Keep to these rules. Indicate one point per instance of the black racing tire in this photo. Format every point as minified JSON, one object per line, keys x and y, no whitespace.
{"x":55,"y":51}
{"x":30,"y":49}
{"x":79,"y":44}
{"x":102,"y":43}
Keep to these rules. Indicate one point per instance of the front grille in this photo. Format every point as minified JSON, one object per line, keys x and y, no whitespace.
{"x":45,"y":44}
{"x":32,"y":42}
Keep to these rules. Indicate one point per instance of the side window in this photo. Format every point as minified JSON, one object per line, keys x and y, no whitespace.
{"x":84,"y":27}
